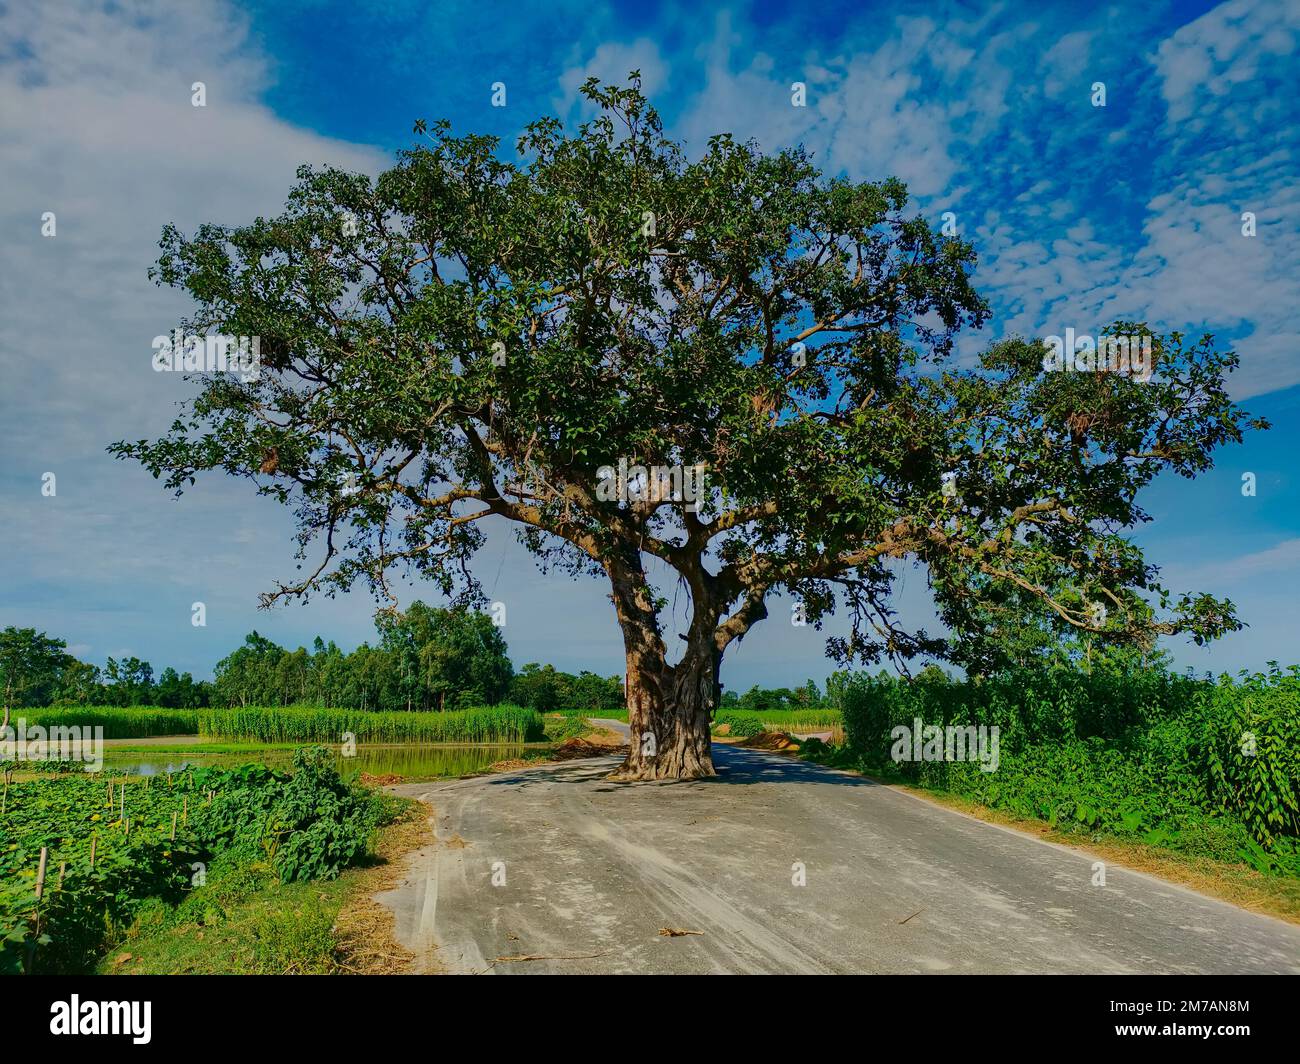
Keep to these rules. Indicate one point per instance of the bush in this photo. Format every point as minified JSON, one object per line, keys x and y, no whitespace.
{"x":740,"y":723}
{"x":1132,"y":752}
{"x":305,"y":825}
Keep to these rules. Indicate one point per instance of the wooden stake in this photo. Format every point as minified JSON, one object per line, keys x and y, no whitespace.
{"x":173,"y":825}
{"x":40,"y":874}
{"x":185,"y":809}
{"x":63,"y":867}
{"x":93,"y":840}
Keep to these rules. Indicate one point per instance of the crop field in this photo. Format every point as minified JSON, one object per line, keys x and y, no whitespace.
{"x":307,"y":724}
{"x":298,"y":724}
{"x":766,"y":719}
{"x":118,"y":722}
{"x":112,"y":846}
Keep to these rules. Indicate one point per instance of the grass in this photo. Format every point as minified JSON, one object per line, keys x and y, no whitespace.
{"x":244,"y":921}
{"x":118,"y":722}
{"x":818,"y":719}
{"x":290,"y":725}
{"x":561,"y":726}
{"x":309,"y":724}
{"x":603,"y":714}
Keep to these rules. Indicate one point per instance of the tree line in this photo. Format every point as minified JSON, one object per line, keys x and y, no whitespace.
{"x":426,"y":658}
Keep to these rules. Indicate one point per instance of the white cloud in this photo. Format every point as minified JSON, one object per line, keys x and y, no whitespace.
{"x":98,"y":127}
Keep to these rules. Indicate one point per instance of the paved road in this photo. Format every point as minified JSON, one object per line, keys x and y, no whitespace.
{"x":593,"y":869}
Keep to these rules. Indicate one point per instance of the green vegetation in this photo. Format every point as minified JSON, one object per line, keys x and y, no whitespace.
{"x":746,"y":724}
{"x":300,"y":724}
{"x":767,"y":699}
{"x":561,"y":726}
{"x":303,"y":825}
{"x":243,"y":921}
{"x":1207,"y":768}
{"x":118,"y":722}
{"x":427,"y":658}
{"x":311,"y":724}
{"x":545,"y":689}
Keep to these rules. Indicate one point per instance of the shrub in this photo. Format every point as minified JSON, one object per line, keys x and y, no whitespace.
{"x":1136,"y":752}
{"x":304,"y":825}
{"x":742,"y":724}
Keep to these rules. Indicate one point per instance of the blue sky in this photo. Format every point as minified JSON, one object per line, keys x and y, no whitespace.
{"x":1080,"y":214}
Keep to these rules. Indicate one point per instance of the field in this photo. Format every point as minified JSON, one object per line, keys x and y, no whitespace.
{"x":307,"y":724}
{"x":115,"y":847}
{"x":118,"y":722}
{"x":771,"y":719}
{"x":746,"y":723}
{"x":298,"y":724}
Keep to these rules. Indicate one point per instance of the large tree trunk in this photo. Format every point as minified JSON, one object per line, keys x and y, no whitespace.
{"x":670,"y":711}
{"x":670,"y":707}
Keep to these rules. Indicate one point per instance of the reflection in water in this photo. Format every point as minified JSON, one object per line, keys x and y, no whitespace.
{"x":411,"y":761}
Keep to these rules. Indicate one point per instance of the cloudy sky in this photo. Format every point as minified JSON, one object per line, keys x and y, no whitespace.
{"x":1080,"y":214}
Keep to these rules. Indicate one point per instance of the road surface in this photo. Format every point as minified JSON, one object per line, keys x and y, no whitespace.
{"x":784,"y":867}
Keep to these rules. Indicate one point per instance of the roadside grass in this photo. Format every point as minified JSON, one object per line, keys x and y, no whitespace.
{"x":604,"y":714}
{"x":1230,"y":881}
{"x":244,"y":921}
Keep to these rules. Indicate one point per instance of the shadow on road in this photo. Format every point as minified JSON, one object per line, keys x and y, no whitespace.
{"x":735,"y":765}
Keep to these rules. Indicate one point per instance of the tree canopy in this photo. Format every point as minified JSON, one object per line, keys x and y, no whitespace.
{"x":468,"y":337}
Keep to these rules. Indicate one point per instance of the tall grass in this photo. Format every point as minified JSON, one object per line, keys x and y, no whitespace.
{"x":118,"y":722}
{"x":1148,"y":753}
{"x":799,"y":719}
{"x":311,"y":724}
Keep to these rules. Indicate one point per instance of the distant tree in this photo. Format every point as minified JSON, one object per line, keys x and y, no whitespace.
{"x":128,"y":682}
{"x":79,"y":684}
{"x":592,"y":692}
{"x":538,"y":687}
{"x":179,"y":691}
{"x":244,"y":677}
{"x":446,"y":658}
{"x":31,"y":666}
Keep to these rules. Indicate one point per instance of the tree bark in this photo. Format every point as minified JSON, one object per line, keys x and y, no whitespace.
{"x":670,"y":712}
{"x":670,"y":707}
